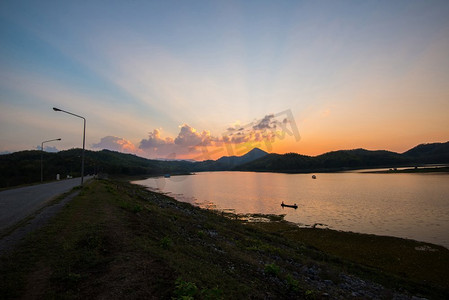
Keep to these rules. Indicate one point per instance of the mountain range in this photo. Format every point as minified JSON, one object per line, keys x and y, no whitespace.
{"x":24,"y":166}
{"x":349,"y":159}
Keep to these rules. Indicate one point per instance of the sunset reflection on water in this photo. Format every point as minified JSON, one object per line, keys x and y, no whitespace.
{"x":412,"y":206}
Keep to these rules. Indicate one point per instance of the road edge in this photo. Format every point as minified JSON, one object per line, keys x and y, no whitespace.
{"x":12,"y":235}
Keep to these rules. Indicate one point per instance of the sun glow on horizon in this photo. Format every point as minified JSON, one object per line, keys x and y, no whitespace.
{"x":353,"y":74}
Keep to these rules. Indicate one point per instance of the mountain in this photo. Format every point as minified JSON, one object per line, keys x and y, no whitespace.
{"x":24,"y":167}
{"x":331,"y":161}
{"x":226,"y":163}
{"x":358,"y":158}
{"x":348,"y":159}
{"x":278,"y":163}
{"x":429,"y":153}
{"x":232,"y":161}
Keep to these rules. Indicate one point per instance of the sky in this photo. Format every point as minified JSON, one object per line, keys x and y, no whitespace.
{"x":203,"y":79}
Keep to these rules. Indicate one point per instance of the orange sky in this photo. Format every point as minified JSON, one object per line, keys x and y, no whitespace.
{"x":158,"y":80}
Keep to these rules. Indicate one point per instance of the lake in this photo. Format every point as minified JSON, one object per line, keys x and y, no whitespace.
{"x":414,"y":206}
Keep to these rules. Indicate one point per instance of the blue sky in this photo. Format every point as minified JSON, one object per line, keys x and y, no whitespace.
{"x":372,"y":74}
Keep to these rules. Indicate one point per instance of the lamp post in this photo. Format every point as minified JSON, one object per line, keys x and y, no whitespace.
{"x":42,"y":157}
{"x":84,"y":140}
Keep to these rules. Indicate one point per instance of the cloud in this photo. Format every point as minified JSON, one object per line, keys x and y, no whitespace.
{"x":116,"y":144}
{"x":154,"y":140}
{"x":187,"y":142}
{"x":267,"y":122}
{"x":189,"y":137}
{"x":193,"y":143}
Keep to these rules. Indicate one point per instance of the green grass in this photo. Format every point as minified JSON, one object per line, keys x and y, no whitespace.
{"x":117,"y":240}
{"x":424,"y":270}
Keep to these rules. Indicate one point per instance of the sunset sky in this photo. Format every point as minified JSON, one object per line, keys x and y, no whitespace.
{"x":203,"y":79}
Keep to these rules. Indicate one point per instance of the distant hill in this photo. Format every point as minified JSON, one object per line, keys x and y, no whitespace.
{"x":358,"y":158}
{"x":24,"y":167}
{"x":232,"y":161}
{"x":331,"y":161}
{"x":429,"y":153}
{"x":348,"y":159}
{"x":229,"y":162}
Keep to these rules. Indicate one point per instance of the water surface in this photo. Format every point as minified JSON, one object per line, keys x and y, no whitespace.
{"x":414,"y":206}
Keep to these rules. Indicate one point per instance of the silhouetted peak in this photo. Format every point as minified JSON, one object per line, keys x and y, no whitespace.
{"x":256,"y":151}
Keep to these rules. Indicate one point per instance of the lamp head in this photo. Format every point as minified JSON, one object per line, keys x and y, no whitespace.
{"x":56,"y":109}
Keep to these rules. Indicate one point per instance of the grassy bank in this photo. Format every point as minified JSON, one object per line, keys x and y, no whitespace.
{"x":117,"y":240}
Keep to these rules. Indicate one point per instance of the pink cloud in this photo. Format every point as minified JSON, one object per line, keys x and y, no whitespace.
{"x":192,"y":143}
{"x":189,"y":137}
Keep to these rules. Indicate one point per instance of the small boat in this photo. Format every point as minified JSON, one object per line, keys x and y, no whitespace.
{"x":167,"y":175}
{"x":313,"y":177}
{"x":289,"y":205}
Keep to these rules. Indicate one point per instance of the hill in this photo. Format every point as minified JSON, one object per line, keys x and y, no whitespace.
{"x":232,"y":161}
{"x":24,"y":167}
{"x":226,"y":163}
{"x":348,"y":159}
{"x":429,"y":153}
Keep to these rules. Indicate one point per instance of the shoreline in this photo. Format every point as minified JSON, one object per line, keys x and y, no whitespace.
{"x":269,"y":216}
{"x":126,"y":238}
{"x":441,"y":169}
{"x":329,"y":240}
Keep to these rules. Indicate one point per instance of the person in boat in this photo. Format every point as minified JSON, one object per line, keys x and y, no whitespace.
{"x":282,"y":202}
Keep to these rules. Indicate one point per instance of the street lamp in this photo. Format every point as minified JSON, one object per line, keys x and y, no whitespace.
{"x":42,"y":157}
{"x":84,"y":140}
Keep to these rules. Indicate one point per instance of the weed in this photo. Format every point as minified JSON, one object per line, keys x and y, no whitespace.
{"x":185,"y":290}
{"x":166,"y":243}
{"x":215,"y":294}
{"x":309,"y":294}
{"x":264,"y":247}
{"x":110,"y":189}
{"x":272,"y":269}
{"x":126,"y":205}
{"x":123,"y":204}
{"x":293,"y":284}
{"x":137,"y":208}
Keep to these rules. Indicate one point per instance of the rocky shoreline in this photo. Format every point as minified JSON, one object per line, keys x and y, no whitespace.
{"x":343,"y":286}
{"x":136,"y":244}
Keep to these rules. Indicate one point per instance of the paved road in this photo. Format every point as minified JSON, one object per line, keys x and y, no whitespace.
{"x":17,"y":204}
{"x":12,"y":239}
